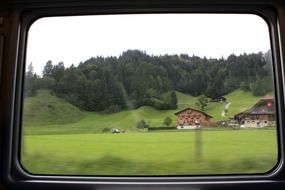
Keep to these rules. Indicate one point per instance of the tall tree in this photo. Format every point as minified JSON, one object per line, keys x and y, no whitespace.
{"x":31,"y":82}
{"x":202,"y":102}
{"x":48,"y":69}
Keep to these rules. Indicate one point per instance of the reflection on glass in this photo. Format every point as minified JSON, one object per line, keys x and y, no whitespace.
{"x":165,"y":94}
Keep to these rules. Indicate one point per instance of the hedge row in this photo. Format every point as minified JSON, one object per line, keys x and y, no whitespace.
{"x":161,"y":128}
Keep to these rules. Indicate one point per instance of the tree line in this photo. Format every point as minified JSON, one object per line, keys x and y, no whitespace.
{"x":135,"y":79}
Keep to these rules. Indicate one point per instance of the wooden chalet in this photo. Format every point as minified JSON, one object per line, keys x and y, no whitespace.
{"x":219,"y":99}
{"x":190,"y":118}
{"x":260,"y":115}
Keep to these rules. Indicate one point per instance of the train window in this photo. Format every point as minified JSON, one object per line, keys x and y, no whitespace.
{"x":112,"y":95}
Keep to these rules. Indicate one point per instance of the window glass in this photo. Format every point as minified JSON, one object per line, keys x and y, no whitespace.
{"x":149,"y":94}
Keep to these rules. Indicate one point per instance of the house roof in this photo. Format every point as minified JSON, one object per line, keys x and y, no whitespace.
{"x":219,"y":97}
{"x":193,"y":110}
{"x":254,"y":110}
{"x":267,"y":97}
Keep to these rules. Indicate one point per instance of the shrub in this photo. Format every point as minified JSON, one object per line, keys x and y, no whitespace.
{"x":167,"y":121}
{"x":162,"y":128}
{"x":142,"y":124}
{"x":106,"y":130}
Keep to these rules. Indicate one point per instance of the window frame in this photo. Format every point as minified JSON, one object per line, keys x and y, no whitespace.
{"x":13,"y":174}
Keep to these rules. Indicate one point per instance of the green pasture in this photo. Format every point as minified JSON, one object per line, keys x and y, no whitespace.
{"x":240,"y":101}
{"x":47,"y":114}
{"x":58,"y":138}
{"x":243,"y":151}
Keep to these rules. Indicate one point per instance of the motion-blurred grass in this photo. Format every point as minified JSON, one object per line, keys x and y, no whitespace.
{"x":158,"y":153}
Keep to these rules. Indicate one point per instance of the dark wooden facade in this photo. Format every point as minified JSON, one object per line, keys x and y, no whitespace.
{"x":219,"y":99}
{"x":260,"y":115}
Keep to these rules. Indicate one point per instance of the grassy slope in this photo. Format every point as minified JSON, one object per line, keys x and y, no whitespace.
{"x":95,"y":122}
{"x":46,"y":109}
{"x":240,"y":101}
{"x":159,"y":153}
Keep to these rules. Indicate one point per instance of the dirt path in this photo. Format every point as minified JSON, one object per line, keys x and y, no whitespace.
{"x":223,"y":114}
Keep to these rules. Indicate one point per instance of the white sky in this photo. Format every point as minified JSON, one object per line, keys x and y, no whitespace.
{"x":78,"y":38}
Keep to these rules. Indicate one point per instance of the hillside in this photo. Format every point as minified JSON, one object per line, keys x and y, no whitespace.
{"x":239,"y":101}
{"x":46,"y":109}
{"x":55,"y":116}
{"x":147,"y":80}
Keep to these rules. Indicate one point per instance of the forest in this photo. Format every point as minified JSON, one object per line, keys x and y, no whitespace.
{"x":134,"y":79}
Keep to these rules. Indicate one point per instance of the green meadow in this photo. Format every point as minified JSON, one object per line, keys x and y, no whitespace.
{"x":58,"y":138}
{"x":155,"y":153}
{"x":47,"y":114}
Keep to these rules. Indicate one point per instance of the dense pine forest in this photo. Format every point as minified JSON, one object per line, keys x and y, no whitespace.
{"x":135,"y":78}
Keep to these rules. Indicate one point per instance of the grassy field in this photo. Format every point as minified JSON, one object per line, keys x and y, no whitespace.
{"x":156,"y":153}
{"x":60,"y":139}
{"x":63,"y":118}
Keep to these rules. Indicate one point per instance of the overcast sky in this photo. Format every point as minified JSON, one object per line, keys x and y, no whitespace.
{"x":75,"y":39}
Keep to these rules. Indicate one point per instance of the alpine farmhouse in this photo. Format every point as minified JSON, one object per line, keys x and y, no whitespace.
{"x":190,"y":118}
{"x":260,"y":115}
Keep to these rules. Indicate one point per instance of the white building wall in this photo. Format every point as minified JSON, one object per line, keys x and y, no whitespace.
{"x":187,"y":127}
{"x":256,"y":123}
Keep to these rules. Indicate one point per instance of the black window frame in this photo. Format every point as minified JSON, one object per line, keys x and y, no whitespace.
{"x":23,"y":15}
